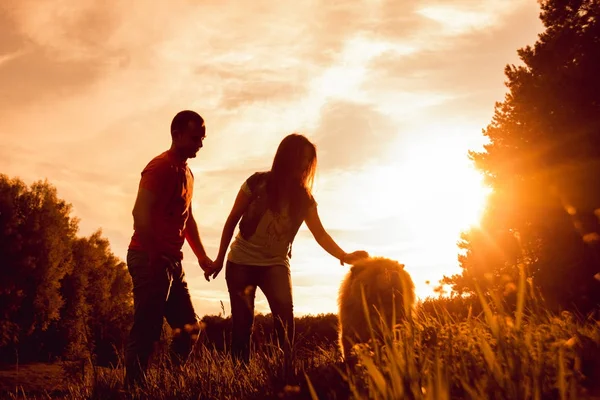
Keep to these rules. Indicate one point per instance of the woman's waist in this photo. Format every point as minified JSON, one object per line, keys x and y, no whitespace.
{"x":259,"y":251}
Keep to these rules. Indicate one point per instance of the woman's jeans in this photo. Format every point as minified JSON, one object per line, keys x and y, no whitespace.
{"x":275,"y":283}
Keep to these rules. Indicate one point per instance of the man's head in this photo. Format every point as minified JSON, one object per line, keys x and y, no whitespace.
{"x":187,"y":133}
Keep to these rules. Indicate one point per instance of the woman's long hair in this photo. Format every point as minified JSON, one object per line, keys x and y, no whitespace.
{"x":292,"y":175}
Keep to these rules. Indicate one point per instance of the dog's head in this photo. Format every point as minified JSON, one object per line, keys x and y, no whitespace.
{"x":381,"y":278}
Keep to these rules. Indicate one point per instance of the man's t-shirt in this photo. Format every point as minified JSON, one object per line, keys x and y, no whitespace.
{"x":172,"y":182}
{"x":265,"y":237}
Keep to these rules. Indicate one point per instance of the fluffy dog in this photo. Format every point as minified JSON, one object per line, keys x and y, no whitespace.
{"x":388,"y":289}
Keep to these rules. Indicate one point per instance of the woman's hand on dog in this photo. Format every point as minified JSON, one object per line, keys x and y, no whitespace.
{"x":351,"y":258}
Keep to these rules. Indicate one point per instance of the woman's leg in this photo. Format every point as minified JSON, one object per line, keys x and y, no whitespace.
{"x":241,"y":284}
{"x":276,"y":284}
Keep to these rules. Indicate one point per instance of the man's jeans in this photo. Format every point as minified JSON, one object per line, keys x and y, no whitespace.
{"x":159,"y":289}
{"x":275,"y":282}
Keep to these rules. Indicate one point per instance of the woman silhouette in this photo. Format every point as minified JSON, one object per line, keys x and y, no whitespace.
{"x":272,"y":206}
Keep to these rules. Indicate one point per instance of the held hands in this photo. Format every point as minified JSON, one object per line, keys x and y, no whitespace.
{"x":217,"y":267}
{"x":351,"y":258}
{"x":207,"y":265}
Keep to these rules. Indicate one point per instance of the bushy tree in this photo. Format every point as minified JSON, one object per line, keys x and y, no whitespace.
{"x":543,"y":163}
{"x":36,"y":234}
{"x":61,"y":296}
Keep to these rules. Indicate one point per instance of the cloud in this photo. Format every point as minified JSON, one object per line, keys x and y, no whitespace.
{"x":68,"y":32}
{"x":10,"y":39}
{"x":351,"y":134}
{"x":58,"y":80}
{"x":62,"y":49}
{"x":5,"y":58}
{"x":461,"y":66}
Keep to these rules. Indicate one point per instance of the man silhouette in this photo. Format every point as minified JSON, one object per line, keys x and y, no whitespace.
{"x":163,"y":221}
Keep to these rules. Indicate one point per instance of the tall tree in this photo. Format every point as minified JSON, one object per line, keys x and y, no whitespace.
{"x":36,"y":233}
{"x":98,"y":305}
{"x":109,"y":297}
{"x":543,"y":162}
{"x":60,"y":295}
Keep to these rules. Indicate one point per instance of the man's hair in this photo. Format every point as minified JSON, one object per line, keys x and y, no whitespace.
{"x":183,"y":118}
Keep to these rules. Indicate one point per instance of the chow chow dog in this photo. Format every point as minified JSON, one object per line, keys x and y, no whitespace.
{"x":389,"y":296}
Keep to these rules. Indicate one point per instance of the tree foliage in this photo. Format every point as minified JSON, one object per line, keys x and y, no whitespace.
{"x":60,"y":295}
{"x":543,"y":164}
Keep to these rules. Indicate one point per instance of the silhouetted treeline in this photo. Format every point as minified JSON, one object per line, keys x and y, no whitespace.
{"x":61,"y":296}
{"x":312,"y":331}
{"x":543,"y":163}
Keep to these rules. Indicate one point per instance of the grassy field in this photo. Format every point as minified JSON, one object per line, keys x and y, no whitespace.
{"x":490,"y":355}
{"x":38,"y":378}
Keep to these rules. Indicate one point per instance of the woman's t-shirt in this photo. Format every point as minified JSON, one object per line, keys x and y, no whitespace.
{"x":265,"y":237}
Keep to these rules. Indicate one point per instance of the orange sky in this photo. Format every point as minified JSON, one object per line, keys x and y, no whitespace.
{"x":393,"y":93}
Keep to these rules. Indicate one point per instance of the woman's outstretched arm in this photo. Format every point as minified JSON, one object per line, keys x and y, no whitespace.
{"x":239,"y":207}
{"x":313,"y":222}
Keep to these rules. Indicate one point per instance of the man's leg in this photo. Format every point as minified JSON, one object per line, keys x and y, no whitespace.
{"x":242,"y":289}
{"x":181,"y":316}
{"x":276,"y":284}
{"x":150,"y":289}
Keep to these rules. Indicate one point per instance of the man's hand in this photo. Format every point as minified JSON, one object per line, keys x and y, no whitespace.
{"x":207,"y":266}
{"x":217,"y":267}
{"x":351,"y":258}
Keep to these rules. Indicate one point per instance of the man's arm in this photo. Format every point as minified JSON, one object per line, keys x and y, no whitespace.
{"x":192,"y":235}
{"x":142,"y":215}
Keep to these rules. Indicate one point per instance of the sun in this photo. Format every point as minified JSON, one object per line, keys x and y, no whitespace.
{"x":445,"y":195}
{"x":448,"y":189}
{"x":423,"y":202}
{"x":430,"y":196}
{"x":434,"y":194}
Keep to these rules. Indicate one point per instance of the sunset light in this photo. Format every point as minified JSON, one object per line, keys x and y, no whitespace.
{"x":299,"y":199}
{"x":393,"y":110}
